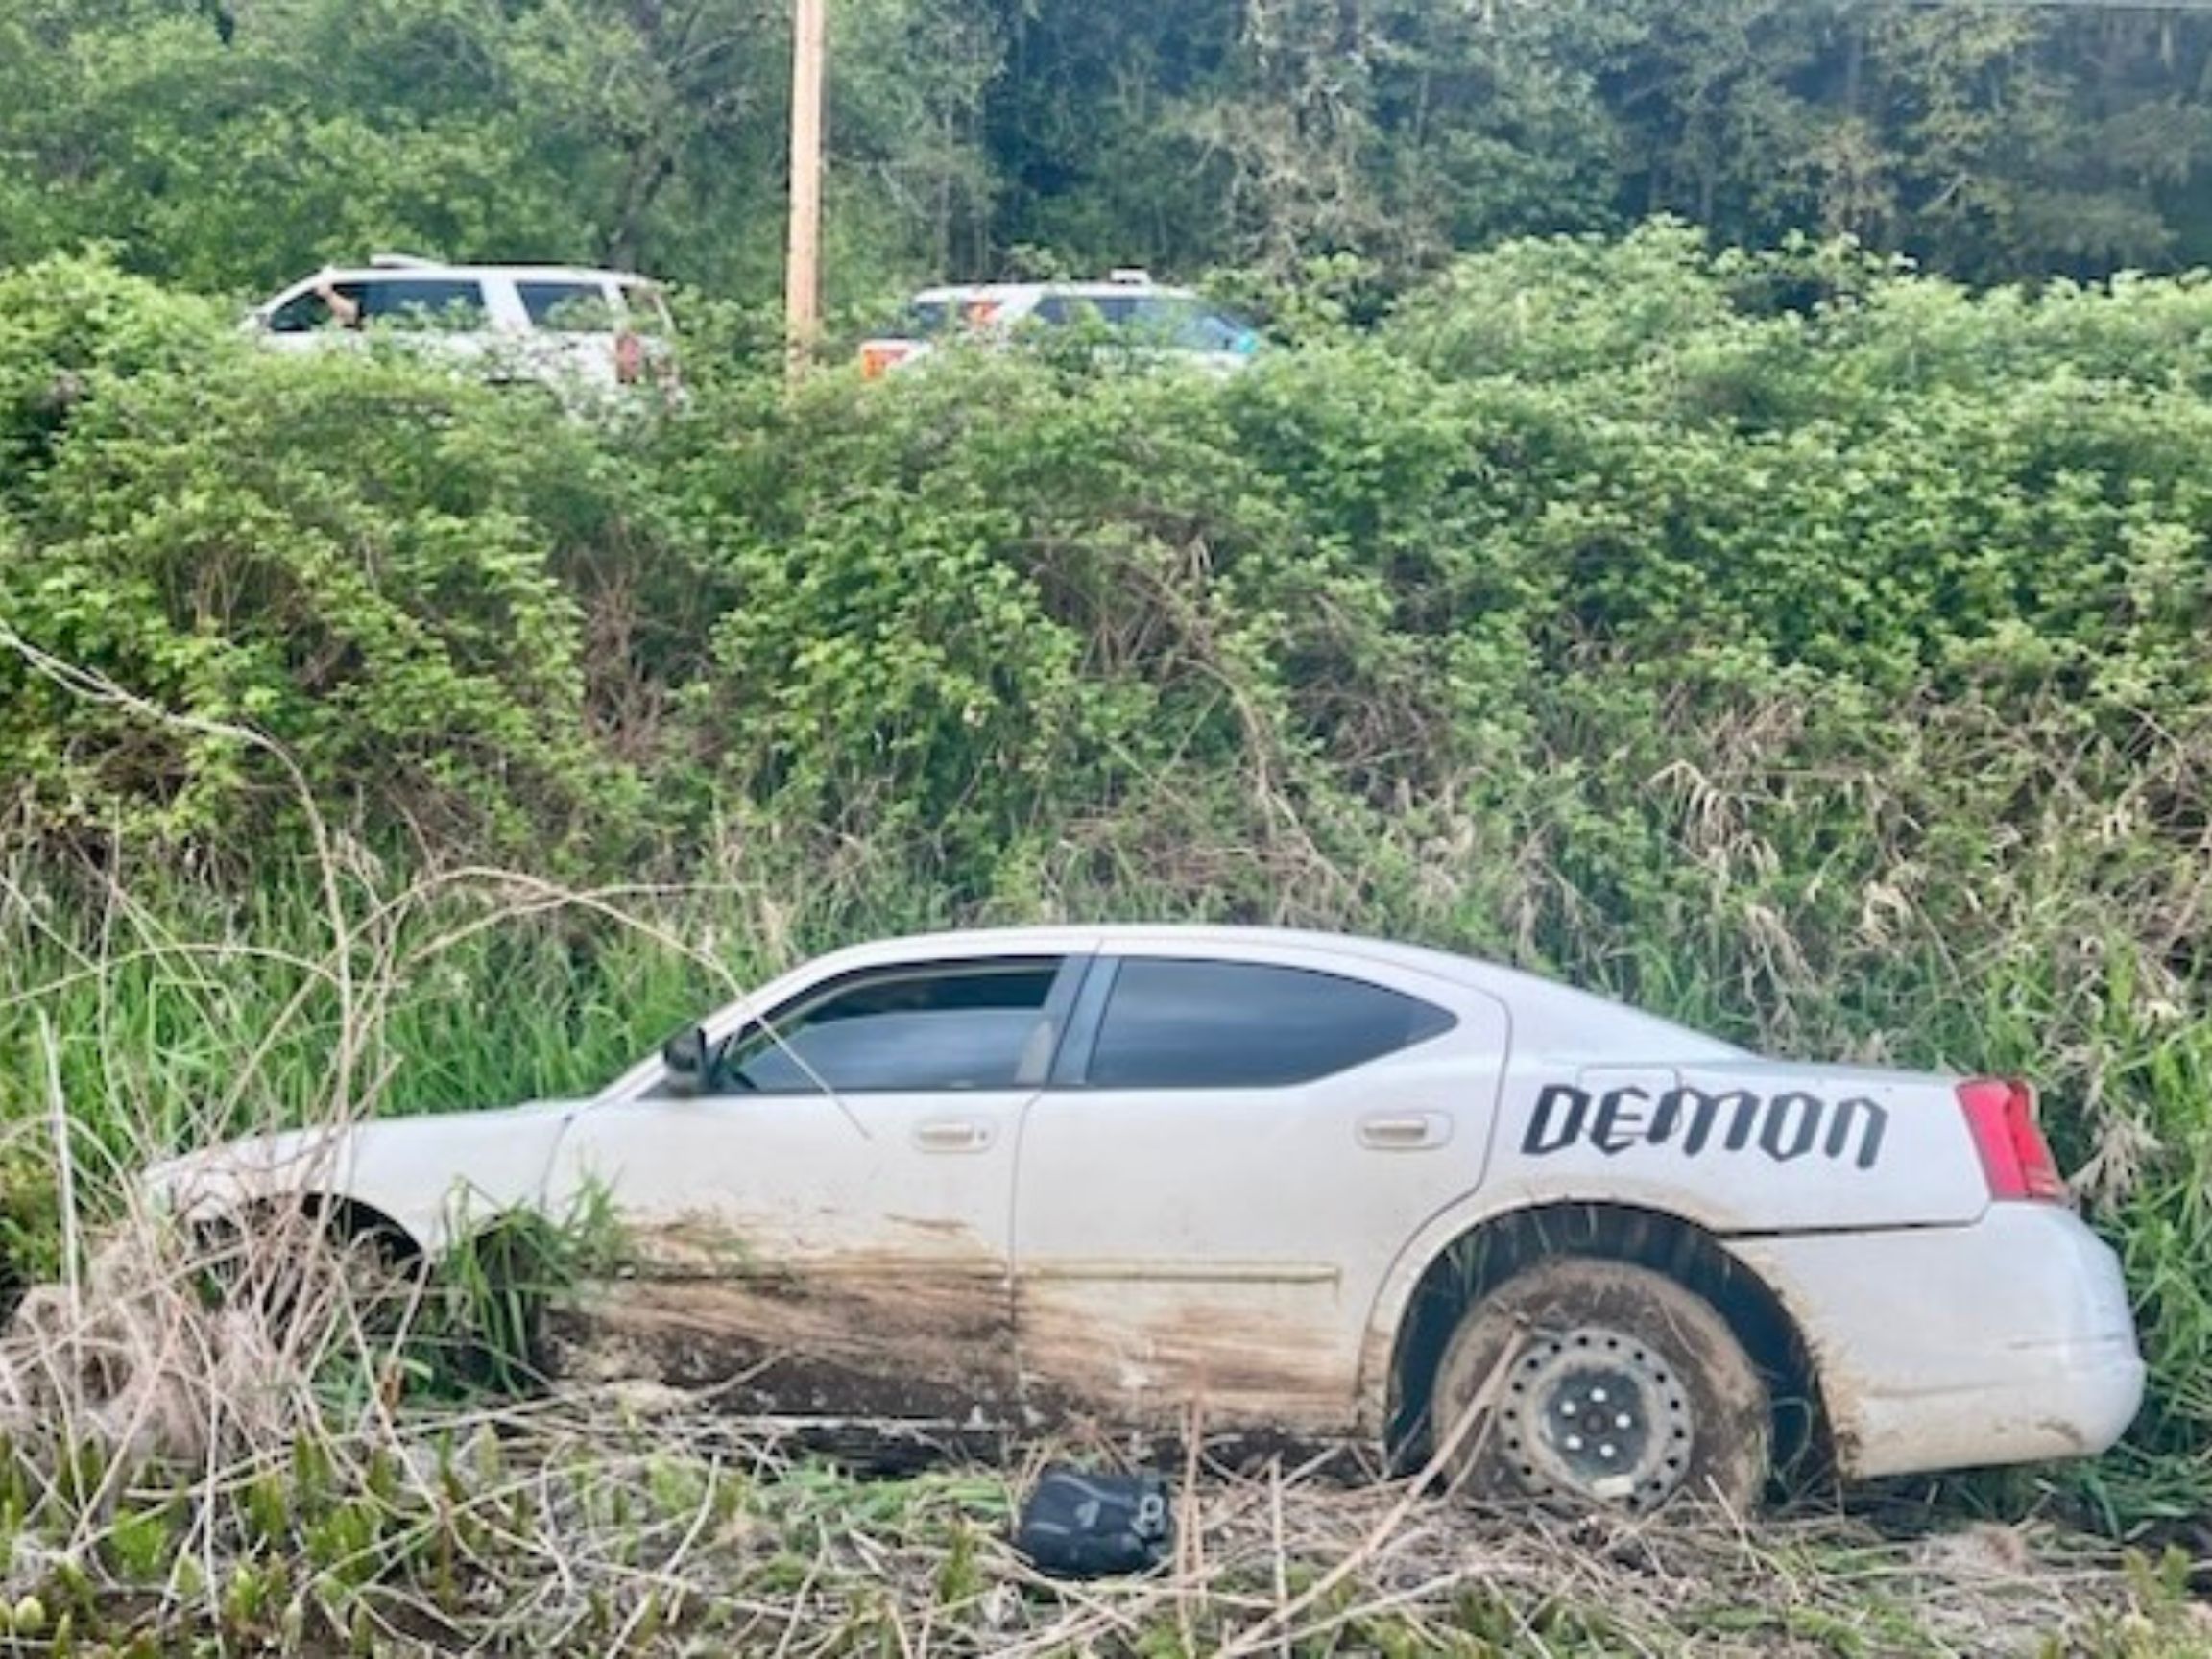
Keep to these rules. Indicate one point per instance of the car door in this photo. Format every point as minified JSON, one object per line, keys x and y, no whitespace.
{"x":829,"y":1216}
{"x":1233,"y":1148}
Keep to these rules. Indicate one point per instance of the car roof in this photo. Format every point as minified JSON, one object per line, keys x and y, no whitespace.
{"x":1062,"y":935}
{"x":1039,"y":290}
{"x":518,"y":273}
{"x":1528,"y":996}
{"x":1551,"y":1016}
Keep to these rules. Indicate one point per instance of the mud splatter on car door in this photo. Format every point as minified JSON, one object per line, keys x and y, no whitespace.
{"x":825,"y":1222}
{"x":1229,"y":1158}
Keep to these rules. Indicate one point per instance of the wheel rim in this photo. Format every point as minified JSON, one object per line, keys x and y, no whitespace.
{"x":1596,"y":1413}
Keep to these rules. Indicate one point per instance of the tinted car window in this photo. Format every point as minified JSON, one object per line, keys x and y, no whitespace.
{"x":424,"y":301}
{"x":1174,"y":321}
{"x":923,"y":319}
{"x":567,"y":307}
{"x":303,"y":312}
{"x":967,"y":1026}
{"x":1187,"y":1024}
{"x":648,"y":308}
{"x":1192,"y":326}
{"x":1114,"y":310}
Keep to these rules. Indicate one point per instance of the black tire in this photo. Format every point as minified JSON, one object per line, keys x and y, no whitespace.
{"x":310,"y":1278}
{"x":1622,"y":1389}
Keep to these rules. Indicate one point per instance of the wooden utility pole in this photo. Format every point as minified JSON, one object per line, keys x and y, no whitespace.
{"x":802,"y":262}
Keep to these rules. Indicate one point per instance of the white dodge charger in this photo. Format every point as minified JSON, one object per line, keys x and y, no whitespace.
{"x":1299,"y":1182}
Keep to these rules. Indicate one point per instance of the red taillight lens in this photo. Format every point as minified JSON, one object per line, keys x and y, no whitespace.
{"x":2000,"y":1114}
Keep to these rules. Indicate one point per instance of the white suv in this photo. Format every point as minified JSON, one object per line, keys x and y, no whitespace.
{"x":557,"y":324}
{"x":1156,"y":320}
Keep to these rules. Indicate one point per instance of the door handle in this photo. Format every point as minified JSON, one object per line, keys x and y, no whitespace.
{"x":1405,"y":1131}
{"x":953,"y":1135}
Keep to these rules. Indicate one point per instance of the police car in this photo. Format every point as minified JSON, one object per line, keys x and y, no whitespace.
{"x":1149,"y":319}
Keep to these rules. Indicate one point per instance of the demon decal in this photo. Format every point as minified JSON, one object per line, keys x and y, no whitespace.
{"x":1785,"y":1127}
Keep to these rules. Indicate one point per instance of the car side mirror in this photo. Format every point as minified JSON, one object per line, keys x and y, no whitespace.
{"x":688,"y":1057}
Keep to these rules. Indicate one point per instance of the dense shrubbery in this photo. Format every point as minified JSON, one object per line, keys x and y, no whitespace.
{"x":1809,"y":651}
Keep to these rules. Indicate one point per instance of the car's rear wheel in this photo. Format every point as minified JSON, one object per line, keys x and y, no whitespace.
{"x":1608,"y":1386}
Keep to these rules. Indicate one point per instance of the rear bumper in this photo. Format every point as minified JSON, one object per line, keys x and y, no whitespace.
{"x":2006,"y":1341}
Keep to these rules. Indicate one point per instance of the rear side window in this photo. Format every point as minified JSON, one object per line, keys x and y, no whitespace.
{"x":1171,"y":1024}
{"x":958,"y":1025}
{"x":567,"y":307}
{"x":424,"y":301}
{"x":648,"y":308}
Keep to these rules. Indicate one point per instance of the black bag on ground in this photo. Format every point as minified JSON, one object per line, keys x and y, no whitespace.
{"x":1077,"y":1524}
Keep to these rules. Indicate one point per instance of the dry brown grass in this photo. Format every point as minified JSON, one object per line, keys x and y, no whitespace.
{"x":179,"y":1468}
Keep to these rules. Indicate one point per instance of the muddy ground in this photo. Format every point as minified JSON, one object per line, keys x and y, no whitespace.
{"x":1302,"y":1549}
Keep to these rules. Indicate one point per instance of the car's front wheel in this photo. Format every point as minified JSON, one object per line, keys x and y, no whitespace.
{"x":1606,"y":1385}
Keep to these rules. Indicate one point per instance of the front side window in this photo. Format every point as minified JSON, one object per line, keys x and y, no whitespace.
{"x":926,"y":318}
{"x":1172,"y":1023}
{"x":1072,"y":310}
{"x":303,"y":312}
{"x":940,"y":1026}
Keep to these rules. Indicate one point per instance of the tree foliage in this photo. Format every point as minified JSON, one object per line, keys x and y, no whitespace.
{"x":230,"y":144}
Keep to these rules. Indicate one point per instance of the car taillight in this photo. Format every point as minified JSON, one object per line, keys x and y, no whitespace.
{"x":2000,"y":1114}
{"x":879,"y":357}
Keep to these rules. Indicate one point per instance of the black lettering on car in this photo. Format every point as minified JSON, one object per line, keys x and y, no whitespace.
{"x":1570,"y":1103}
{"x":1617,"y":1126}
{"x":1793,"y":1119}
{"x":1705,"y":1109}
{"x":1856,"y":1110}
{"x":1786,"y":1126}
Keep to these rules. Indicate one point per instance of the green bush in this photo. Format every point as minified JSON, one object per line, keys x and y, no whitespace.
{"x":1795,"y":646}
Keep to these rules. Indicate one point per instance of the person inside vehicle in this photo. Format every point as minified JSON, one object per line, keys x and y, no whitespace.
{"x":345,"y":308}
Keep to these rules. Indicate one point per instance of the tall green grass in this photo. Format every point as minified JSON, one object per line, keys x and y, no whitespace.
{"x":173,"y":1013}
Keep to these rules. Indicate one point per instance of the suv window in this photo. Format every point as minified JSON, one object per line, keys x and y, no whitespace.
{"x":953,"y":1025}
{"x":648,"y":308}
{"x":567,"y":307}
{"x":423,"y":301}
{"x":1114,"y":310}
{"x":1172,"y":320}
{"x":1190,"y":324}
{"x":1172,"y":1023}
{"x":303,"y":312}
{"x":927,"y":317}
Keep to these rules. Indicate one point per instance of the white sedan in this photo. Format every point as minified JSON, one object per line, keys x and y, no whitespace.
{"x":1298,"y":1183}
